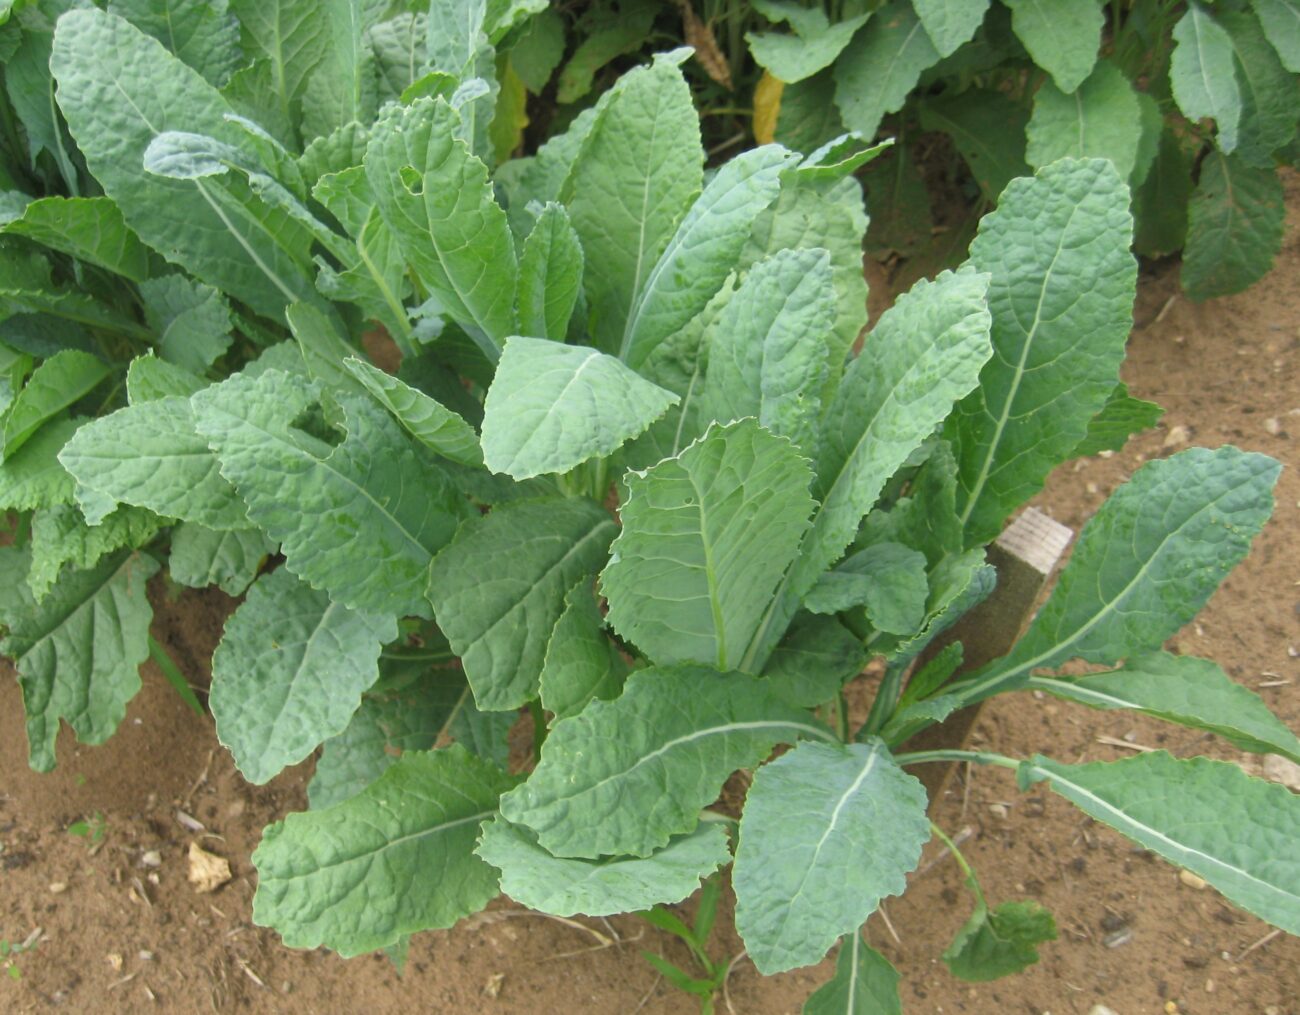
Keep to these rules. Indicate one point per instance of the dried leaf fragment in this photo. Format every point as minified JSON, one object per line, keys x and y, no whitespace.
{"x":208,"y":872}
{"x":699,"y":35}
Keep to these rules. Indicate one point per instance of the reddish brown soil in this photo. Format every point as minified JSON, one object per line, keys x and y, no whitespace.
{"x":116,"y":936}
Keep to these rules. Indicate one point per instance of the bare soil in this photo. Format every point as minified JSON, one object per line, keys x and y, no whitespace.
{"x":113,"y":934}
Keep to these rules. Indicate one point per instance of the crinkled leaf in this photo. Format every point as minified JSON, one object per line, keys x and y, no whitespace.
{"x":1269,"y":94}
{"x":202,"y":34}
{"x":63,"y":379}
{"x":865,"y":983}
{"x":149,"y":378}
{"x":1119,"y":419}
{"x":1236,"y":832}
{"x":827,"y":832}
{"x":394,"y":859}
{"x":568,"y":887}
{"x":949,"y":23}
{"x":888,"y":579}
{"x":875,"y":75}
{"x":33,"y":477}
{"x":1203,"y":73}
{"x":625,"y":776}
{"x":1234,"y":229}
{"x":423,"y":417}
{"x":88,"y":228}
{"x":1061,"y":35}
{"x":344,"y":87}
{"x":1281,"y":21}
{"x":191,"y":321}
{"x":1100,"y":119}
{"x":926,"y":519}
{"x":499,"y":588}
{"x":290,"y":36}
{"x":229,"y":559}
{"x":289,"y":672}
{"x":581,"y":662}
{"x":999,"y":942}
{"x":61,"y":537}
{"x":550,"y":275}
{"x":817,"y":656}
{"x":813,"y":46}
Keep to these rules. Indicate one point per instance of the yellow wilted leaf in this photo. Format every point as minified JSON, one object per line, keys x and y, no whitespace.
{"x":511,"y":116}
{"x":767,"y":107}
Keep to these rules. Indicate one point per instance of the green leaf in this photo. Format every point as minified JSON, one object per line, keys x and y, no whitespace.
{"x":1061,"y":35}
{"x":611,"y":35}
{"x":191,"y":321}
{"x":817,"y":656}
{"x":553,"y":406}
{"x":625,"y":776}
{"x":538,"y":50}
{"x":1101,"y":119}
{"x":958,"y":583}
{"x":30,"y":86}
{"x":997,"y":943}
{"x":59,"y":382}
{"x":887,"y":578}
{"x":901,"y":222}
{"x":88,"y":228}
{"x":1281,"y":21}
{"x":807,"y":116}
{"x":33,"y":477}
{"x":77,"y":653}
{"x":343,"y":88}
{"x":60,"y":536}
{"x":1145,"y":563}
{"x":949,"y":23}
{"x":813,"y":46}
{"x":1160,"y":204}
{"x":150,"y":455}
{"x":875,"y":76}
{"x":926,"y":519}
{"x":120,"y":89}
{"x":324,"y":347}
{"x":361,"y":520}
{"x":289,"y":673}
{"x":703,"y":250}
{"x":640,"y":169}
{"x":436,"y":198}
{"x":923,"y":355}
{"x":203,"y":35}
{"x":1186,"y":690}
{"x":1236,"y":832}
{"x":229,"y":559}
{"x":864,"y":984}
{"x":1061,"y":297}
{"x":499,"y":588}
{"x":1203,"y":73}
{"x":1119,"y":419}
{"x":550,"y":275}
{"x":427,"y":420}
{"x":1235,"y":222}
{"x":581,"y":662}
{"x":407,"y":839}
{"x":828,"y":831}
{"x":486,"y":734}
{"x":567,"y":887}
{"x":1270,"y":95}
{"x":291,"y":37}
{"x":149,"y":378}
{"x":706,"y":538}
{"x":768,"y":354}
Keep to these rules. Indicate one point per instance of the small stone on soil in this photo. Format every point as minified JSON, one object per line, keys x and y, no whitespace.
{"x":1191,"y":880}
{"x":152,"y":858}
{"x":1273,"y":425}
{"x":1101,"y":1009}
{"x":208,"y":872}
{"x":1177,"y":436}
{"x":1118,"y":938}
{"x":1282,"y":770}
{"x":58,"y":887}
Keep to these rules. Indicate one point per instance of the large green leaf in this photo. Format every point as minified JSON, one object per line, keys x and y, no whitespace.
{"x":640,"y":168}
{"x":1061,"y":297}
{"x":1061,"y":35}
{"x":1100,"y":119}
{"x":706,"y":538}
{"x":949,"y":23}
{"x":290,"y":37}
{"x":1281,"y":21}
{"x":61,"y":537}
{"x":703,"y":250}
{"x":1145,"y":563}
{"x":436,"y":198}
{"x":988,"y":129}
{"x":289,"y":673}
{"x":150,"y":455}
{"x":203,"y":34}
{"x":923,"y":355}
{"x":88,"y":228}
{"x":360,"y":520}
{"x":768,"y":354}
{"x":229,"y":559}
{"x":1186,"y":690}
{"x":498,"y":589}
{"x":875,"y":76}
{"x":828,"y":831}
{"x":864,"y":984}
{"x":56,"y":384}
{"x":78,"y":652}
{"x":581,"y":662}
{"x":564,"y":886}
{"x":30,"y":86}
{"x":1236,"y":832}
{"x":424,"y":418}
{"x":408,"y":840}
{"x":625,"y":776}
{"x":120,"y":89}
{"x":344,"y":87}
{"x":1269,"y":94}
{"x":550,"y":275}
{"x":1203,"y":73}
{"x":813,"y":46}
{"x":553,"y":406}
{"x":1235,"y":223}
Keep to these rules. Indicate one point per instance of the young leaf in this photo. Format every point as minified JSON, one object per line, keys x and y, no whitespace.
{"x":988,"y":129}
{"x":813,"y":46}
{"x":498,"y":589}
{"x":361,"y":520}
{"x":1235,"y":222}
{"x":768,"y":355}
{"x":865,"y":983}
{"x":640,"y":169}
{"x":1236,"y":832}
{"x":703,"y":250}
{"x":60,"y":381}
{"x":996,"y":943}
{"x":203,"y":35}
{"x":60,"y":536}
{"x":1101,"y":119}
{"x":149,"y":378}
{"x":887,"y":578}
{"x":1061,"y":296}
{"x":408,"y":839}
{"x":827,"y":832}
{"x":706,"y":537}
{"x":78,"y":653}
{"x":289,"y":673}
{"x":1145,"y":564}
{"x":581,"y":662}
{"x":568,"y":887}
{"x":1061,"y":35}
{"x":437,"y":428}
{"x":875,"y":76}
{"x":550,"y":275}
{"x":1203,"y":73}
{"x":553,"y":406}
{"x":625,"y":776}
{"x":191,"y":321}
{"x":949,"y":23}
{"x":1186,"y":690}
{"x":817,"y":657}
{"x":34,"y":478}
{"x":88,"y":228}
{"x":1281,"y":21}
{"x":229,"y":559}
{"x":1119,"y":419}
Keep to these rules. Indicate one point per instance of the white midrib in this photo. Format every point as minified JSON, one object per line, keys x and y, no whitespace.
{"x":392,"y":844}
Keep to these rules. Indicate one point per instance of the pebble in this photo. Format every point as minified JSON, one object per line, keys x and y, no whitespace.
{"x":1101,"y":1009}
{"x":1273,"y":425}
{"x":1177,"y":436}
{"x":1118,"y":938}
{"x":1191,"y":880}
{"x":1282,"y":770}
{"x":152,"y":858}
{"x":58,"y":887}
{"x":998,"y":810}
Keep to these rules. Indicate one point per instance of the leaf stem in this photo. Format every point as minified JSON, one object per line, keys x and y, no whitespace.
{"x":174,"y":675}
{"x":886,"y":703}
{"x":952,"y":848}
{"x":983,"y":757}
